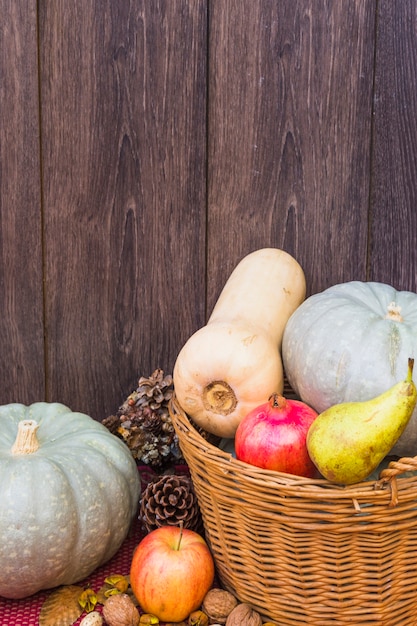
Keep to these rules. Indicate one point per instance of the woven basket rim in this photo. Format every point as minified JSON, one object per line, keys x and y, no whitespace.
{"x":389,"y":483}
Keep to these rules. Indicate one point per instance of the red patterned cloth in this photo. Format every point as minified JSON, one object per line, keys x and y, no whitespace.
{"x":26,"y":612}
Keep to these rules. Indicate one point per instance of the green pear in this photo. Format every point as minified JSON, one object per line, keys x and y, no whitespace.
{"x":349,"y":440}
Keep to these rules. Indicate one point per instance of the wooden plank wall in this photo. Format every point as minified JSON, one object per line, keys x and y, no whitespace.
{"x":146,"y":146}
{"x":22,"y":358}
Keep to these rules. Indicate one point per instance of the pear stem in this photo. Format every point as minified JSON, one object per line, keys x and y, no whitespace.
{"x":410,"y":370}
{"x":26,"y":441}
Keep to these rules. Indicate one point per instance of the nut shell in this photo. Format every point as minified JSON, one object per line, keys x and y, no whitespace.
{"x":92,"y":619}
{"x":244,"y":615}
{"x":119,"y":610}
{"x":218,"y":604}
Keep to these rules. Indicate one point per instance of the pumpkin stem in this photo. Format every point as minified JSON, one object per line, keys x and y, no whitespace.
{"x":26,"y":440}
{"x":219,"y":397}
{"x":394,"y":312}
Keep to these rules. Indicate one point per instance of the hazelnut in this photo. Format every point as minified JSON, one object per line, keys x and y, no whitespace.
{"x":217,"y":604}
{"x":244,"y":615}
{"x":119,"y":610}
{"x":92,"y":619}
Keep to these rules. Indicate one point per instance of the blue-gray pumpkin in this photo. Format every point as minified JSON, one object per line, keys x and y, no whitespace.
{"x":69,"y":492}
{"x":350,"y":343}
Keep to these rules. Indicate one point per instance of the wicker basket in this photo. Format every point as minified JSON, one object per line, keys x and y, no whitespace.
{"x":304,"y":551}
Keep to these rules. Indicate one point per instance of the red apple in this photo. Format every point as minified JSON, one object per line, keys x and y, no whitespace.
{"x":273,"y":436}
{"x":171,"y":571}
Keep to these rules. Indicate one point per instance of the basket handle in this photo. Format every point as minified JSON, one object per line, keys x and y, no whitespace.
{"x":389,"y":475}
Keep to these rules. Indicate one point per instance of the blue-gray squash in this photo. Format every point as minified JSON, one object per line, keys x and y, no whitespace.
{"x":352,"y":342}
{"x":69,"y":491}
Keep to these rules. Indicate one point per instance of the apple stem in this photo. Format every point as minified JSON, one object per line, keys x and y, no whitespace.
{"x":181,"y":532}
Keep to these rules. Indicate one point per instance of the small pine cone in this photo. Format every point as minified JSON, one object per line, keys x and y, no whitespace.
{"x":144,"y":423}
{"x":112,"y":422}
{"x":168,"y":501}
{"x":148,"y":419}
{"x":153,"y":392}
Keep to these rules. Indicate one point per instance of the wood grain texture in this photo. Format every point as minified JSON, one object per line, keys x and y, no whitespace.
{"x":21,"y":306}
{"x":393,"y":233}
{"x":124,"y":156}
{"x":155,"y":143}
{"x":290,"y":99}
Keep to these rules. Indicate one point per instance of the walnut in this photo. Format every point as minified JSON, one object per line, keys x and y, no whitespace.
{"x":217,"y":604}
{"x":243,"y":615}
{"x":119,"y":610}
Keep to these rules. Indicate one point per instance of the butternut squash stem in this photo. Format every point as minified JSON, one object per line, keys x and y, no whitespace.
{"x":26,"y":440}
{"x":219,"y":397}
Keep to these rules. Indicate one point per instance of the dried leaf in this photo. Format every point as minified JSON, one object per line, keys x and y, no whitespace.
{"x":101,"y":594}
{"x":117,"y":584}
{"x":88,"y":600}
{"x":114,"y":584}
{"x":61,"y":608}
{"x":148,"y":618}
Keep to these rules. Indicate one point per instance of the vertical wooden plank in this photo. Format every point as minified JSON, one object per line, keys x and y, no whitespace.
{"x":124,"y":155}
{"x":393,"y":250}
{"x":21,"y":302}
{"x":290,"y":100}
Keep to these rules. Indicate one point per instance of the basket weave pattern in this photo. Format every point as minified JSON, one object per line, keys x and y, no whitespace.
{"x":304,"y":551}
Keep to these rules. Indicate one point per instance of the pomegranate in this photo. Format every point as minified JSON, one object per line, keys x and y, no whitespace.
{"x":273,"y":436}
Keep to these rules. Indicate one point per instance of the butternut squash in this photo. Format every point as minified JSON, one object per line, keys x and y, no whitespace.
{"x":233,"y":364}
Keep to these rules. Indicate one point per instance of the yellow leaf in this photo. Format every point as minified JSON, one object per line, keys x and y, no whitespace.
{"x":114,"y":584}
{"x":88,"y":600}
{"x":148,"y":618}
{"x":117,"y":584}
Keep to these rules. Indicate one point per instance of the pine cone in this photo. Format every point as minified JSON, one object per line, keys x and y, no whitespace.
{"x":168,"y":501}
{"x":154,"y":392}
{"x":144,"y":423}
